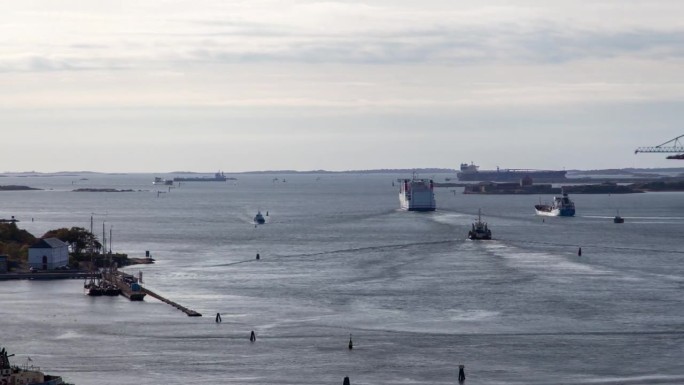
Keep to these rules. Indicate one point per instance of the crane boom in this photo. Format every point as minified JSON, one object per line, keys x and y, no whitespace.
{"x":674,"y":146}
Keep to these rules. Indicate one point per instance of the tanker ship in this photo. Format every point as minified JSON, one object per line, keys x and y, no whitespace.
{"x":471,"y":172}
{"x":417,"y":194}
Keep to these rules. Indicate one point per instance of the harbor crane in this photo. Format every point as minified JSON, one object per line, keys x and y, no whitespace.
{"x":674,"y":145}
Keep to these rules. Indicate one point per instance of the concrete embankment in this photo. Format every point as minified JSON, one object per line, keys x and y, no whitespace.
{"x":40,"y":275}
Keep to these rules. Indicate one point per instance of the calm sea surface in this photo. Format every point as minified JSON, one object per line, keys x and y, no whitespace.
{"x":339,"y":258}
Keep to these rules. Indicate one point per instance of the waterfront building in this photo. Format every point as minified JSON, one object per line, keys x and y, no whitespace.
{"x":48,"y":254}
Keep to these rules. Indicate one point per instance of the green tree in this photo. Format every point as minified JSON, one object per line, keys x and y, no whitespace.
{"x":78,"y":239}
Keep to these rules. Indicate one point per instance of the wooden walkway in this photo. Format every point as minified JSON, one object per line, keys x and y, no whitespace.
{"x":189,"y":312}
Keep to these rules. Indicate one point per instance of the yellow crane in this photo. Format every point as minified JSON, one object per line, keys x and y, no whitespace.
{"x":674,"y":145}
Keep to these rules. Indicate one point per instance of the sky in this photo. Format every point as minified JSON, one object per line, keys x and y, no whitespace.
{"x":203,"y":85}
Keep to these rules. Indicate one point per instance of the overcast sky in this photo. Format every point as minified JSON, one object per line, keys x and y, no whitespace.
{"x":163,"y":85}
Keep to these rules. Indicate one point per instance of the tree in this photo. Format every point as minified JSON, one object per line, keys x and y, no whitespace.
{"x":80,"y":240}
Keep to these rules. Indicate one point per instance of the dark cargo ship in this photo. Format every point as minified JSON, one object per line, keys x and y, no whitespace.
{"x":218,"y":177}
{"x":471,"y":172}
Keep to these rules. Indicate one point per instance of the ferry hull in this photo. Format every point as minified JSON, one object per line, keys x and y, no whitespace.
{"x":554,"y":212}
{"x":417,"y":195}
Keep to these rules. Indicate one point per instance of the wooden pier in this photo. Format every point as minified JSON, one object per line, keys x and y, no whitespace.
{"x":125,"y":282}
{"x":189,"y":312}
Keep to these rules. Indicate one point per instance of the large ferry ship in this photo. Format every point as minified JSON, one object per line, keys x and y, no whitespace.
{"x":472,"y":172}
{"x":417,"y":194}
{"x":562,"y":206}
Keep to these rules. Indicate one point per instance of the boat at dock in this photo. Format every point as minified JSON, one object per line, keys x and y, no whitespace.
{"x":24,"y":375}
{"x":472,"y":172}
{"x":479,"y":229}
{"x":562,"y":206}
{"x":127,"y":285}
{"x":417,"y":194}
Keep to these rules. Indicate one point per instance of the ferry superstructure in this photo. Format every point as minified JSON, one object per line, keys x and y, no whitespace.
{"x":24,"y":375}
{"x":417,"y":194}
{"x":562,"y":207}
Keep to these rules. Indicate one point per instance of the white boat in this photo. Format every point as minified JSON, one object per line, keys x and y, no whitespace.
{"x":259,"y":219}
{"x":162,"y":181}
{"x":479,"y":230}
{"x":562,"y":206}
{"x":417,"y":194}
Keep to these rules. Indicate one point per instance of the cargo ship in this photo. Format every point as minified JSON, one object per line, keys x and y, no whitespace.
{"x":218,"y":177}
{"x":25,"y":375}
{"x":562,"y":206}
{"x":417,"y":194}
{"x":472,"y":172}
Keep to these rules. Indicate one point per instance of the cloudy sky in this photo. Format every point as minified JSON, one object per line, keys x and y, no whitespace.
{"x":163,"y":85}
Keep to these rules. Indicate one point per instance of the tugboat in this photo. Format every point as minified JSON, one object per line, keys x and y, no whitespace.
{"x":479,"y":230}
{"x":27,"y":374}
{"x":562,"y":207}
{"x":259,"y":218}
{"x":618,"y":218}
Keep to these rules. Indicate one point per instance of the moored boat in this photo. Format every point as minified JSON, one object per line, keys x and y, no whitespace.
{"x":562,"y":206}
{"x":417,"y":194}
{"x":480,"y":230}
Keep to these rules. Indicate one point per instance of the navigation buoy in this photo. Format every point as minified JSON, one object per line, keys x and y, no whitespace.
{"x":351,"y":344}
{"x":579,"y":252}
{"x":461,"y":374}
{"x":218,"y":318}
{"x":258,"y":256}
{"x":346,"y":381}
{"x":252,"y":337}
{"x":266,"y":213}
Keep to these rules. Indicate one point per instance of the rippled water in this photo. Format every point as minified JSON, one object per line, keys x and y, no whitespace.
{"x":337,"y":257}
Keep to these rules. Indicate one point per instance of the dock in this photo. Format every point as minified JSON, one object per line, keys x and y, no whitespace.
{"x":132,"y":289}
{"x":189,"y":312}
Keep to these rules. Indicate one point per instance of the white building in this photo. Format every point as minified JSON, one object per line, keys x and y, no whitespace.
{"x":48,"y":254}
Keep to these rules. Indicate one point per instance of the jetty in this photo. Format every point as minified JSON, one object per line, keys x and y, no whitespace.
{"x":189,"y":312}
{"x":131,"y":288}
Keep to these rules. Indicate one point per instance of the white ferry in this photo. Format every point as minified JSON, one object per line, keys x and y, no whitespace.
{"x":562,"y":207}
{"x":417,"y":194}
{"x":162,"y":181}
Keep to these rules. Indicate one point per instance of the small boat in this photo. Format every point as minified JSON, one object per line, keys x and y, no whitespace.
{"x":562,"y":207}
{"x":480,"y":230}
{"x":618,"y":218}
{"x":259,"y":219}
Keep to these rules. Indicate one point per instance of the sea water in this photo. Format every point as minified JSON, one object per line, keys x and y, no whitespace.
{"x":337,"y":258}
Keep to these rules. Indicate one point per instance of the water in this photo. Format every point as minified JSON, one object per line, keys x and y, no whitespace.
{"x":337,"y":257}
